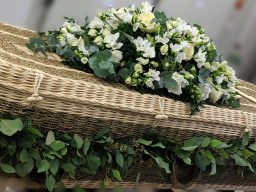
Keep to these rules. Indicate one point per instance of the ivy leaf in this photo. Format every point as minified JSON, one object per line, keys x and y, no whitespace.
{"x":253,"y":146}
{"x":79,"y":141}
{"x":117,"y":175}
{"x":239,"y":161}
{"x":57,"y":145}
{"x":86,"y":146}
{"x":7,"y":168}
{"x":93,"y":162}
{"x":24,"y":156}
{"x":119,"y":159}
{"x":166,"y":80}
{"x":187,"y":161}
{"x":205,"y":142}
{"x":10,"y":127}
{"x":50,"y":182}
{"x":159,"y":144}
{"x":69,"y":167}
{"x":43,"y":166}
{"x":215,"y":143}
{"x":200,"y":163}
{"x":101,"y":133}
{"x":245,"y":139}
{"x":162,"y":164}
{"x":190,"y":148}
{"x":144,"y":142}
{"x":54,"y":166}
{"x":35,"y":132}
{"x":50,"y":138}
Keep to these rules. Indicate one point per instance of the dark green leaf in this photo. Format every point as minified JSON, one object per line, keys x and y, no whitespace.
{"x":200,"y":163}
{"x":35,"y":132}
{"x":162,"y":164}
{"x":86,"y":146}
{"x":119,"y":159}
{"x":102,"y":133}
{"x":205,"y":142}
{"x":144,"y":142}
{"x":54,"y":166}
{"x":7,"y":168}
{"x":239,"y":161}
{"x":245,"y":139}
{"x":78,"y":140}
{"x":68,"y":167}
{"x":92,"y":162}
{"x":253,"y":146}
{"x":166,"y":80}
{"x":24,"y":156}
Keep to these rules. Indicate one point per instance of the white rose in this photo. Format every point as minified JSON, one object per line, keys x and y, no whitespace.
{"x":84,"y":60}
{"x":117,"y":56}
{"x":164,"y":49}
{"x":215,"y":95}
{"x":146,"y":23}
{"x":189,"y":51}
{"x":92,"y":32}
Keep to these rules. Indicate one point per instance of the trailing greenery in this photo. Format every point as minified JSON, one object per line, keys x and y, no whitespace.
{"x":26,"y":150}
{"x":147,"y":51}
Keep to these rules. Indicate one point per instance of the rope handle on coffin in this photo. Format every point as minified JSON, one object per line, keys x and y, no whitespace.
{"x":246,"y":96}
{"x":35,"y":97}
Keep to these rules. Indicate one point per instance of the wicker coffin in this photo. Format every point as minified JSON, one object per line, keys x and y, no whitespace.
{"x":73,"y":101}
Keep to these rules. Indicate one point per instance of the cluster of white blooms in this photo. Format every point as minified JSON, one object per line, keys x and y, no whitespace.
{"x":148,"y":43}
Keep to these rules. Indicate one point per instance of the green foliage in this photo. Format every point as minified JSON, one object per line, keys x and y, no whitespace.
{"x":56,"y":153}
{"x":10,"y":127}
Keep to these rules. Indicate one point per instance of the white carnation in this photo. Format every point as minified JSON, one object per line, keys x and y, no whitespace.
{"x":175,"y":47}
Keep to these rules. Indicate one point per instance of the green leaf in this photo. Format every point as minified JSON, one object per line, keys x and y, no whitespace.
{"x":24,"y":156}
{"x":224,"y":154}
{"x":54,"y":166}
{"x":102,"y":133}
{"x":215,"y":143}
{"x":35,"y":132}
{"x":200,"y":163}
{"x":117,"y":175}
{"x":50,"y":182}
{"x":205,"y":142}
{"x":10,"y":127}
{"x":187,"y":161}
{"x":144,"y":142}
{"x":79,"y":141}
{"x":253,"y":146}
{"x":69,"y":167}
{"x":7,"y":168}
{"x":124,"y":73}
{"x":43,"y":166}
{"x":166,"y":80}
{"x":24,"y":169}
{"x":86,"y":146}
{"x":50,"y":138}
{"x":245,"y":139}
{"x":57,"y":145}
{"x":239,"y":161}
{"x":190,"y":148}
{"x":119,"y":159}
{"x":159,"y":144}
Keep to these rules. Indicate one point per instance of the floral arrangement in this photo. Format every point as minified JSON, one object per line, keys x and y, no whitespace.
{"x":146,"y":50}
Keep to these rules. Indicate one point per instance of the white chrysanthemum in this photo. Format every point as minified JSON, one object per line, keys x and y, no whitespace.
{"x":96,"y":23}
{"x":117,"y":56}
{"x":200,"y":58}
{"x":181,"y":83}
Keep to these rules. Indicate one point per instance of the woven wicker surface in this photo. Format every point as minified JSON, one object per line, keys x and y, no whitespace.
{"x":93,"y":103}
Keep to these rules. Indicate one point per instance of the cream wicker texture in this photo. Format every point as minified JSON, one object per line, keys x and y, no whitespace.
{"x":79,"y":102}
